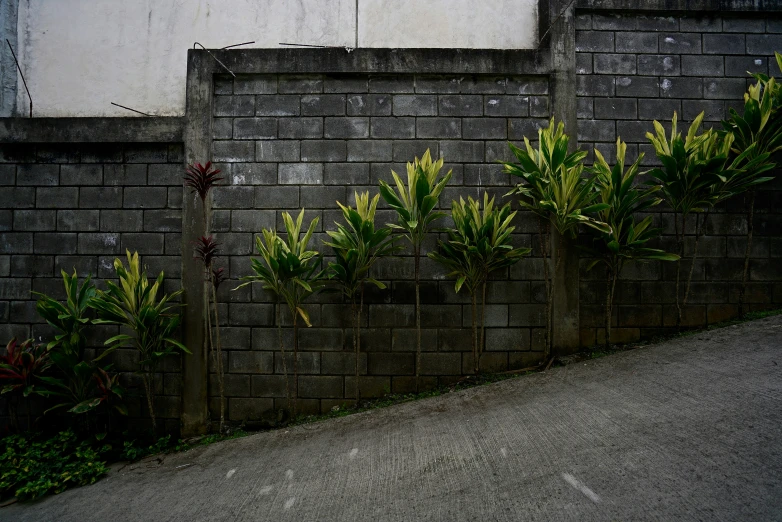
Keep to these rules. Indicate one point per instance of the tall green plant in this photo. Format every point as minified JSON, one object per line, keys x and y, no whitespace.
{"x":626,"y":241}
{"x":415,"y":205}
{"x":553,"y":187}
{"x":696,"y":174}
{"x":760,"y":128}
{"x":358,"y":246}
{"x":71,"y":318}
{"x":292,"y":272}
{"x":479,"y":244}
{"x":152,"y":322}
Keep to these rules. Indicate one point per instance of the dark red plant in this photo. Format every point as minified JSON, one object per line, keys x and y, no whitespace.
{"x":206,"y":249}
{"x":21,"y":365}
{"x":109,"y":390}
{"x":201,"y":178}
{"x":218,"y":276}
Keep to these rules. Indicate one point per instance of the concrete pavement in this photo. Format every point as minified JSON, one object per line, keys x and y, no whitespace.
{"x":690,"y":429}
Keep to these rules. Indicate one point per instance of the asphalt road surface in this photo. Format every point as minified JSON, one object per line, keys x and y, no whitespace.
{"x":689,"y":429}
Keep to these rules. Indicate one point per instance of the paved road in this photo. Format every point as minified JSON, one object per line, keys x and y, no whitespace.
{"x":686,"y":430}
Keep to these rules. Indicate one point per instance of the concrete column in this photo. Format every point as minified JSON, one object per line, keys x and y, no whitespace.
{"x":9,"y":75}
{"x":562,"y":41}
{"x":197,"y":145}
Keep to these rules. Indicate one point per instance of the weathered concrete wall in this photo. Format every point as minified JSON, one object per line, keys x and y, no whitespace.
{"x":80,"y":55}
{"x":66,"y":206}
{"x":633,"y":69}
{"x":309,"y":141}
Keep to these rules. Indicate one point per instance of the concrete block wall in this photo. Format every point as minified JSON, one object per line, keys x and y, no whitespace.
{"x":80,"y":206}
{"x":636,"y":68}
{"x":289,"y":142}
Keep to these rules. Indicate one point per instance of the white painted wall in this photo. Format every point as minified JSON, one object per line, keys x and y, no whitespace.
{"x":80,"y":55}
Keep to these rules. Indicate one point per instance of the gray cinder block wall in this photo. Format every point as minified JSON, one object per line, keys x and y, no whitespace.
{"x":78,"y":206}
{"x":288,"y":140}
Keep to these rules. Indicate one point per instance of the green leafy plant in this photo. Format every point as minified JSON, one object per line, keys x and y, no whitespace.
{"x":292,"y":272}
{"x":81,"y":387}
{"x":627,"y":239}
{"x":71,"y":318}
{"x":21,"y":369}
{"x":30,"y":468}
{"x":152,"y":322}
{"x":415,"y":205}
{"x":479,"y":244}
{"x":759,"y":129}
{"x":696,"y":174}
{"x":553,"y":187}
{"x":357,"y":247}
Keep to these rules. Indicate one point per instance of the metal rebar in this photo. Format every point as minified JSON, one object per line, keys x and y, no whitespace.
{"x":215,"y":58}
{"x":237,"y":45}
{"x":129,"y":109}
{"x":22,"y":75}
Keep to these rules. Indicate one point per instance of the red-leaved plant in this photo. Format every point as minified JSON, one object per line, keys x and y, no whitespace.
{"x":20,"y":369}
{"x":207,"y":250}
{"x":201,"y":178}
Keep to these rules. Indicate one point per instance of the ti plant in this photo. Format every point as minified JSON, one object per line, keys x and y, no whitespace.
{"x":207,"y":250}
{"x":201,"y":179}
{"x":479,"y":244}
{"x":21,"y":368}
{"x":626,"y":241}
{"x":414,"y":204}
{"x":552,"y":187}
{"x":696,"y":174}
{"x":760,"y":126}
{"x":71,"y":318}
{"x":292,"y":272}
{"x":151,"y":321}
{"x":357,"y":246}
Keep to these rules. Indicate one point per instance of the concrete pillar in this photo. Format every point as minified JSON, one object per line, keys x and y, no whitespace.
{"x":562,"y":41}
{"x":9,"y":75}
{"x":198,"y":145}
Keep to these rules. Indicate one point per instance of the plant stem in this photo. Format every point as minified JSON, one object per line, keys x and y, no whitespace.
{"x":474,"y":332}
{"x":608,"y":307}
{"x":295,"y":361}
{"x":680,"y":241}
{"x":417,"y":318}
{"x":745,"y":273}
{"x":148,"y":377}
{"x":543,"y":236}
{"x":482,"y":345}
{"x":358,"y":340}
{"x":699,"y":231}
{"x":282,"y":350}
{"x":220,"y":370}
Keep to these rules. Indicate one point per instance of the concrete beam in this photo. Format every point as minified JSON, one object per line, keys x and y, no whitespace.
{"x":198,"y":149}
{"x":562,"y":42}
{"x":387,"y":61}
{"x":92,"y":130}
{"x":691,"y":6}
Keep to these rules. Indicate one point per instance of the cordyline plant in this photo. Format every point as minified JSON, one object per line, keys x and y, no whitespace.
{"x":357,"y":246}
{"x":479,"y":244}
{"x":696,"y":174}
{"x":21,"y":369}
{"x":626,"y":241}
{"x":553,"y":187}
{"x":202,"y":179}
{"x":152,"y":322}
{"x":207,"y":250}
{"x":414,"y":204}
{"x":71,"y":318}
{"x":760,"y":125}
{"x":290,"y":271}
